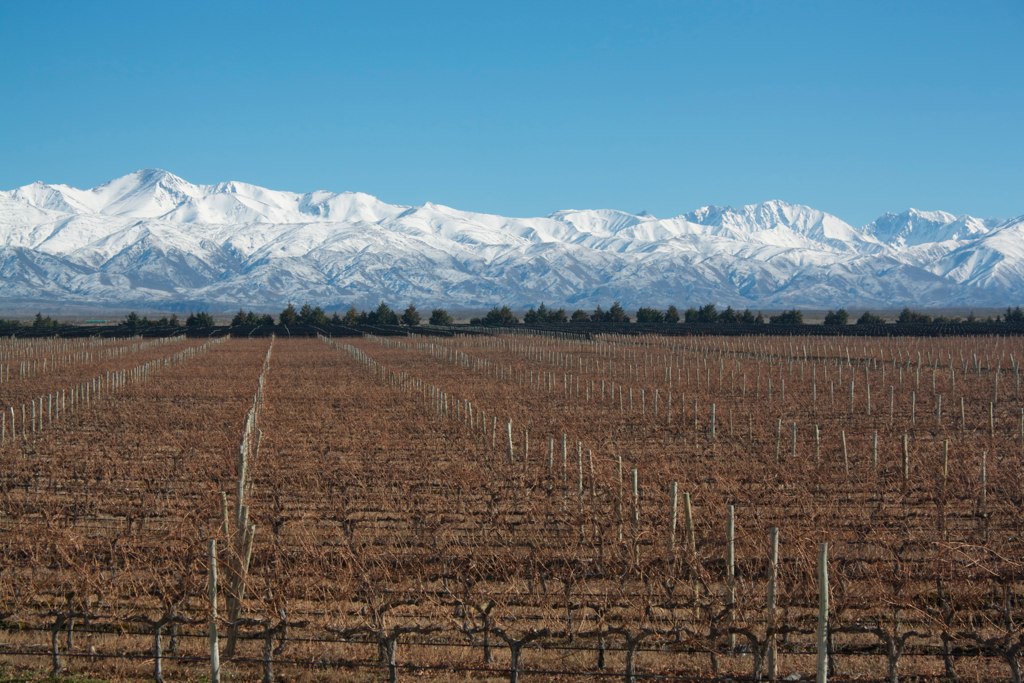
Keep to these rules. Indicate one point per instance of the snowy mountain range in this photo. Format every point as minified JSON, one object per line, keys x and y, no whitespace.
{"x":151,"y":240}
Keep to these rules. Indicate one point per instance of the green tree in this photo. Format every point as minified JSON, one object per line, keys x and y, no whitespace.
{"x":500,"y":316}
{"x":649,"y":315}
{"x":41,"y":322}
{"x":837,"y":318}
{"x":729,"y":316}
{"x":558,"y":316}
{"x":1013,"y":315}
{"x":440,"y":316}
{"x":869,"y":318}
{"x":580,"y":316}
{"x":240,"y":319}
{"x":133,"y":322}
{"x":383,"y":315}
{"x":908,"y":316}
{"x":289,"y":316}
{"x":199,"y":320}
{"x":351,"y":316}
{"x":617,"y":314}
{"x":543,"y":314}
{"x":318,"y":317}
{"x":790,"y":317}
{"x":671,"y":315}
{"x":747,"y":317}
{"x":410,"y":316}
{"x":312,"y":315}
{"x":707,"y":313}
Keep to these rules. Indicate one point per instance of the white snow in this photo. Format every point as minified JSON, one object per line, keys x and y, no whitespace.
{"x":152,"y":236}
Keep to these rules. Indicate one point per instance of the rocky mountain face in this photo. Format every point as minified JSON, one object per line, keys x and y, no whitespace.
{"x":152,"y":240}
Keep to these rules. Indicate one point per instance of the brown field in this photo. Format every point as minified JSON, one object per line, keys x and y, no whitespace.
{"x":441,"y":503}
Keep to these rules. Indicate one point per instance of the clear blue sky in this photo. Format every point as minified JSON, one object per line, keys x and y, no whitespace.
{"x":523,"y":108}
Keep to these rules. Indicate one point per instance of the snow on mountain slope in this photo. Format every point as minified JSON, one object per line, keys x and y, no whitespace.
{"x":996,"y":260}
{"x":914,"y":228}
{"x":780,"y":224}
{"x":153,"y":239}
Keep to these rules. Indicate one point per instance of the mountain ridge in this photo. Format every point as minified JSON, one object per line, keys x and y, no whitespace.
{"x":152,"y":238}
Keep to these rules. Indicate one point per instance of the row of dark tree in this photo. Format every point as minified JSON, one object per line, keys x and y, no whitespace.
{"x":709,"y":313}
{"x":315,"y":316}
{"x":542,"y":315}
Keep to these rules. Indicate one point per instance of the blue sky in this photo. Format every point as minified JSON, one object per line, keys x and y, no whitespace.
{"x":523,"y":108}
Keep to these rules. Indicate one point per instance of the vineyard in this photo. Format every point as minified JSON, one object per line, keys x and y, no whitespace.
{"x":513,"y":506}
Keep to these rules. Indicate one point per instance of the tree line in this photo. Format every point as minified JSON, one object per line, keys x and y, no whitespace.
{"x":710,"y":314}
{"x":383,"y":314}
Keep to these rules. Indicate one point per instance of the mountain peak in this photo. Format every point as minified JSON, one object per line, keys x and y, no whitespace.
{"x":914,"y":227}
{"x":151,"y":236}
{"x":150,"y":176}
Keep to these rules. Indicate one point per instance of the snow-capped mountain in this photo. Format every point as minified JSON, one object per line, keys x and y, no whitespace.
{"x":153,"y":240}
{"x":915,"y":228}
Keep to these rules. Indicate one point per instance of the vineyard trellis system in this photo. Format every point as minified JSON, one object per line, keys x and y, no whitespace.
{"x":518,"y":506}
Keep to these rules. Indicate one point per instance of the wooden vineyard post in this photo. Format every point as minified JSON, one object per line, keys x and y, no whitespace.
{"x":778,"y":441}
{"x":874,"y":450}
{"x":822,"y":635}
{"x":565,"y":459}
{"x":593,"y":475}
{"x":730,"y":571}
{"x":238,"y":571}
{"x":690,"y":538}
{"x":620,"y":509}
{"x":158,"y":652}
{"x":945,"y":464}
{"x":224,"y":513}
{"x":773,"y":577}
{"x":906,"y":461}
{"x":579,"y":468}
{"x":673,"y":517}
{"x":635,"y":478}
{"x":551,"y":460}
{"x":212,"y":594}
{"x":846,"y":457}
{"x":511,"y":453}
{"x":983,"y":494}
